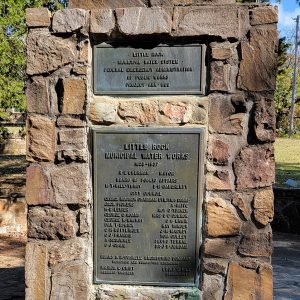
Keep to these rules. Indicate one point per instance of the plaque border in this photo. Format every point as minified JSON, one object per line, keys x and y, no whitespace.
{"x":201,"y":131}
{"x":203,"y":70}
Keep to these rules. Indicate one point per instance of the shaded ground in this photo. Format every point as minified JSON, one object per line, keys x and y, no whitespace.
{"x":12,"y":254}
{"x":286,"y":266}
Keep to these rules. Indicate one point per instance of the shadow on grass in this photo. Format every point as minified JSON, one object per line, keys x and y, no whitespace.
{"x":285,"y":171}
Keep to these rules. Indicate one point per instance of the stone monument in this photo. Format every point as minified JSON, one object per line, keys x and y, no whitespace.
{"x":150,"y":135}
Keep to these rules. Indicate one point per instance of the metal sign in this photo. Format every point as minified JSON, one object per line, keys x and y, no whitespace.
{"x":147,"y":205}
{"x":160,"y":70}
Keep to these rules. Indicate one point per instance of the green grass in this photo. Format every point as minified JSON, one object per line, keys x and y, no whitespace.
{"x":287,"y":157}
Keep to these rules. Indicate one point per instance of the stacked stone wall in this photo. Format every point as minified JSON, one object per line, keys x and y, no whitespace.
{"x":237,"y":112}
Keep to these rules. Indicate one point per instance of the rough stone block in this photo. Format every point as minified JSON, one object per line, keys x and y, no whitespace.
{"x":219,"y":180}
{"x":38,"y":17}
{"x":74,"y":94}
{"x":225,"y":115}
{"x":138,"y":112}
{"x":226,"y":22}
{"x":223,"y":248}
{"x":37,"y":96}
{"x":255,"y":167}
{"x":187,"y":2}
{"x":85,"y":220}
{"x":241,"y":202}
{"x":69,"y":121}
{"x":174,"y":113}
{"x":243,"y":283}
{"x":256,"y":245}
{"x":96,"y":4}
{"x":259,"y":60}
{"x":70,"y":20}
{"x":46,"y":53}
{"x":221,"y":219}
{"x":50,"y":224}
{"x":218,"y":152}
{"x":264,"y":119}
{"x":73,"y":143}
{"x":215,"y":265}
{"x":37,"y":190}
{"x":102,"y":21}
{"x":73,"y":188}
{"x":40,"y":138}
{"x":104,"y":112}
{"x":263,"y":205}
{"x":213,"y":286}
{"x":37,"y":274}
{"x":71,"y":280}
{"x":220,"y":76}
{"x":263,"y":15}
{"x":66,"y":251}
{"x":138,"y":20}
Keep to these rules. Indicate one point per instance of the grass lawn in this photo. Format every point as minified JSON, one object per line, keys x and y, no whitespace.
{"x":287,"y":157}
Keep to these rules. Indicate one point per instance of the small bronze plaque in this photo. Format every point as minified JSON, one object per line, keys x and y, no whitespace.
{"x":147,"y":205}
{"x":160,"y":70}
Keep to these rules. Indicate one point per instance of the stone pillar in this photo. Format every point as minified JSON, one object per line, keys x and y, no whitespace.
{"x":237,"y":113}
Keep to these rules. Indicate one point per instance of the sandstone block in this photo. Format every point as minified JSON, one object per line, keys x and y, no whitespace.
{"x":138,"y":112}
{"x":255,"y":167}
{"x":102,"y":21}
{"x":263,"y":15}
{"x":73,"y":188}
{"x":73,"y":96}
{"x":37,"y":275}
{"x":96,"y":4}
{"x":223,"y":248}
{"x":69,"y":121}
{"x":215,"y":266}
{"x":199,"y":115}
{"x":37,"y":96}
{"x":138,"y":20}
{"x":225,"y":115}
{"x":264,"y":120}
{"x":79,"y":70}
{"x":38,"y":17}
{"x":70,"y":20}
{"x":66,"y":251}
{"x":229,"y":22}
{"x":48,"y":223}
{"x":243,"y":283}
{"x":241,"y":202}
{"x":218,"y":152}
{"x":46,"y":53}
{"x":220,"y":76}
{"x":37,"y":191}
{"x":105,"y":112}
{"x":73,"y":143}
{"x":41,"y":138}
{"x":70,"y":280}
{"x":266,"y":280}
{"x":263,"y":206}
{"x":256,"y":245}
{"x":221,"y":219}
{"x":219,"y":53}
{"x":259,"y":60}
{"x":85,"y":220}
{"x":219,"y":180}
{"x":213,"y":286}
{"x":174,"y":113}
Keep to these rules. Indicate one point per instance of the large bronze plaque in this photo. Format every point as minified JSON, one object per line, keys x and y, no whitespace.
{"x":147,"y":205}
{"x":160,"y":70}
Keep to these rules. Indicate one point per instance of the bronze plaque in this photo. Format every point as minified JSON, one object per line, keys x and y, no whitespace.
{"x":147,"y":205}
{"x":160,"y":70}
